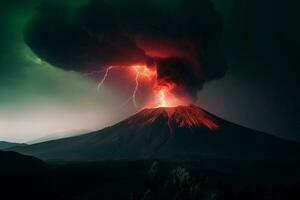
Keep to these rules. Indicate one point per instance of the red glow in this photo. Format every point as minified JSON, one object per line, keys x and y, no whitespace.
{"x":177,"y":117}
{"x":144,"y":72}
{"x":141,"y":72}
{"x":165,"y":95}
{"x":163,"y":91}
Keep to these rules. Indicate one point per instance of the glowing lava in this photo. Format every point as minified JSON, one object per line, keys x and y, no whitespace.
{"x":189,"y":116}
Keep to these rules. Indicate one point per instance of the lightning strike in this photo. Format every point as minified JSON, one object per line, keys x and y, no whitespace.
{"x":104,"y":77}
{"x":164,"y":96}
{"x":135,"y":89}
{"x":141,"y":72}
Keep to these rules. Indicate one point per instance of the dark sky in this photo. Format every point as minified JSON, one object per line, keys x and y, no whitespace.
{"x":261,"y":89}
{"x":260,"y":42}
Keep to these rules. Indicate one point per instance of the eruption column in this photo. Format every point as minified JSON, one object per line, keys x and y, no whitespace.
{"x":162,"y":98}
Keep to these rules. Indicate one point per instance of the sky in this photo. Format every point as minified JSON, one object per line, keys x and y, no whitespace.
{"x":260,"y":42}
{"x":261,"y":87}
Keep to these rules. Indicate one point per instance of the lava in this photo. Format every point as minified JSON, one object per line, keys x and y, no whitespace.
{"x":189,"y":116}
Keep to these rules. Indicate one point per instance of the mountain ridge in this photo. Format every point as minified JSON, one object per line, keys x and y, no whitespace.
{"x":180,"y":133}
{"x":6,"y":145}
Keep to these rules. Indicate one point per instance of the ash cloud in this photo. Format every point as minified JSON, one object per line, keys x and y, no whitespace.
{"x":180,"y":36}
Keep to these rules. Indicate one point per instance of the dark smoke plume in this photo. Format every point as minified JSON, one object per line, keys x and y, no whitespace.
{"x":180,"y":36}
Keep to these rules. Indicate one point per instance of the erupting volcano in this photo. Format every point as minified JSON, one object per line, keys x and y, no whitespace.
{"x":182,"y":133}
{"x":164,"y":53}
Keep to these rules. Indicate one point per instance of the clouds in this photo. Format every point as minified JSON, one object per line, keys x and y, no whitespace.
{"x":103,"y":33}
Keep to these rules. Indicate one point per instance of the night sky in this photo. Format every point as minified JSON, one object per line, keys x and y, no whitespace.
{"x":43,"y":94}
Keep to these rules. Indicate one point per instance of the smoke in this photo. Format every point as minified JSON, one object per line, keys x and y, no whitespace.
{"x":180,"y":37}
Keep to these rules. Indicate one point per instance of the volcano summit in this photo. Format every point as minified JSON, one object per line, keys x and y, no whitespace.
{"x":183,"y":133}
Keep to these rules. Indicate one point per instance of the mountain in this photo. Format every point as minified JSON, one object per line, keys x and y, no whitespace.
{"x":183,"y":133}
{"x":58,"y":135}
{"x":5,"y":145}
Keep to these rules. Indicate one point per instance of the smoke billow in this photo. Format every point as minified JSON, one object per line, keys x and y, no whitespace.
{"x":181,"y":37}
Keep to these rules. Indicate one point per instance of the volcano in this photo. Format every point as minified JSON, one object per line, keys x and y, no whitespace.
{"x":183,"y":133}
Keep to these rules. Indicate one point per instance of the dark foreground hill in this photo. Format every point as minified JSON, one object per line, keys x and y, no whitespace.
{"x":183,"y":133}
{"x":14,"y":162}
{"x":141,"y":180}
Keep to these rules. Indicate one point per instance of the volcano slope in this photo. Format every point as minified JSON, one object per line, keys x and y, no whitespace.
{"x":183,"y":133}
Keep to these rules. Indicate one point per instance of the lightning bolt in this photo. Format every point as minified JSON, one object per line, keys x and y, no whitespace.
{"x":104,"y":77}
{"x":136,"y":88}
{"x":139,"y":71}
{"x":133,"y":96}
